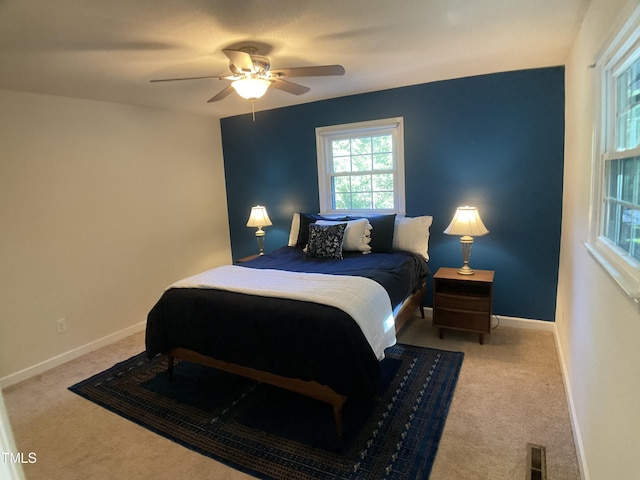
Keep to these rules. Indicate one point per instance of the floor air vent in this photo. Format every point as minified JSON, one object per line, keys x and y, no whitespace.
{"x":536,"y":462}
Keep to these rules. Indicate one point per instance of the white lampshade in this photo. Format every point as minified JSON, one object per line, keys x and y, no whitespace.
{"x":466,"y":221}
{"x":259,"y":217}
{"x":251,"y":88}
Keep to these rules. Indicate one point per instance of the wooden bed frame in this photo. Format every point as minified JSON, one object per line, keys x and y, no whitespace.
{"x":310,"y":388}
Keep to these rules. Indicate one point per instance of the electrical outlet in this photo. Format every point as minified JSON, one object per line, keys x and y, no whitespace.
{"x":61,"y":325}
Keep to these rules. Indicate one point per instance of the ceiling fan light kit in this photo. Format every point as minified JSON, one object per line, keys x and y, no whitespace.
{"x":251,"y":76}
{"x":251,"y":88}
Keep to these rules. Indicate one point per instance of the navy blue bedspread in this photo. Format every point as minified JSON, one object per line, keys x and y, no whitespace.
{"x":286,"y":337}
{"x":400,"y":273}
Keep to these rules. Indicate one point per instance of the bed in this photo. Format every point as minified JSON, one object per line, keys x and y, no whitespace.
{"x":299,"y":319}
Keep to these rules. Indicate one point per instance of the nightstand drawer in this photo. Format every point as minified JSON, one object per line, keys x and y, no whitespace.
{"x":463,"y":302}
{"x":464,"y":320}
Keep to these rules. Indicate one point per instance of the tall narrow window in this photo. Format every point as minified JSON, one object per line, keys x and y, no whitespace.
{"x":361,"y":167}
{"x":615,"y":227}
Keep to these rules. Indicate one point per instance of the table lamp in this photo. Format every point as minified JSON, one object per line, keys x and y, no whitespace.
{"x":259,"y":218}
{"x":466,"y":223}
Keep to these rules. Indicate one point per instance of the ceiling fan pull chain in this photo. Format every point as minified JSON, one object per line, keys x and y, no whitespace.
{"x":253,"y":110}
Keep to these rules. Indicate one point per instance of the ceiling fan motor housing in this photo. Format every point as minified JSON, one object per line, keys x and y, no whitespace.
{"x":261,"y":66}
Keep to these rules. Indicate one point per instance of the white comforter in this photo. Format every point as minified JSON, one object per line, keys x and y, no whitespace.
{"x":365,"y":300}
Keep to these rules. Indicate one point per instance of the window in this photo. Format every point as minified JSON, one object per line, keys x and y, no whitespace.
{"x":361,"y":167}
{"x":621,"y":224}
{"x":615,"y":230}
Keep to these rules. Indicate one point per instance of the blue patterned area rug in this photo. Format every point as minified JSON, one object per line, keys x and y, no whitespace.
{"x":271,"y":433}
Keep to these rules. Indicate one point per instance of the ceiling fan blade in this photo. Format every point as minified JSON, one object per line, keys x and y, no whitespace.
{"x":188,"y":78}
{"x":318,"y":71}
{"x":221,"y":94}
{"x":289,"y":87}
{"x":242,"y":60}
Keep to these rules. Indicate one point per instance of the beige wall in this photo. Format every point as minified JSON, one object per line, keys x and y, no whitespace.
{"x":598,"y":326}
{"x":101,"y":207}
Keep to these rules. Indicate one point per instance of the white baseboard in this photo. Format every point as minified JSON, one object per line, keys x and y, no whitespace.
{"x":575,"y":426}
{"x":70,"y":355}
{"x":516,"y":322}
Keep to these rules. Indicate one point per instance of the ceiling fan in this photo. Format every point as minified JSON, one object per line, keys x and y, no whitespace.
{"x":251,"y":75}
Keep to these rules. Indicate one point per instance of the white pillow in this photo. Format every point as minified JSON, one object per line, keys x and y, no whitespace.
{"x":357,"y":235}
{"x":412,"y":234}
{"x":295,"y":230}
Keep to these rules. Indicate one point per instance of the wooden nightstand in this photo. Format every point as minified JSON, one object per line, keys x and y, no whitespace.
{"x":463,"y":302}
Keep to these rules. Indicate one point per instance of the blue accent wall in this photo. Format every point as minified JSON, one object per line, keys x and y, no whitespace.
{"x":493,"y":141}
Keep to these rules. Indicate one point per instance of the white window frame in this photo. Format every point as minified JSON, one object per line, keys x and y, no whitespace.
{"x":618,"y":55}
{"x":324,"y":137}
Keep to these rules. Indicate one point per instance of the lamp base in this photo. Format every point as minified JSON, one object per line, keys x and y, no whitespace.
{"x":466,"y":241}
{"x":466,"y":270}
{"x":260,"y":237}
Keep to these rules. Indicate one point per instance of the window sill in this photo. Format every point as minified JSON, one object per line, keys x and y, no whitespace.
{"x":624,"y":281}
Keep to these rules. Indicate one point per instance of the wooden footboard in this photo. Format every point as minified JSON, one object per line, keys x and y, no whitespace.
{"x":312,"y":388}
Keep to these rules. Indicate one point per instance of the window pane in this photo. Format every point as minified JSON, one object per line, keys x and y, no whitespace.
{"x":623,"y":126}
{"x":383,"y":181}
{"x":342,"y":201}
{"x":611,"y":217}
{"x":383,"y":200}
{"x":341,"y":164}
{"x":382,"y":144}
{"x":383,"y":161}
{"x":361,"y":201}
{"x":361,"y":146}
{"x":341,"y":184}
{"x":361,"y":163}
{"x":361,"y":183}
{"x":341,"y":148}
{"x":625,"y":229}
{"x":635,"y":235}
{"x":622,"y":96}
{"x":634,"y":127}
{"x":629,"y":180}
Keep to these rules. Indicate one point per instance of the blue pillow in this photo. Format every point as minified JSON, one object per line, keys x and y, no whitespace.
{"x":307,"y":219}
{"x":325,"y":241}
{"x":303,"y":234}
{"x":382,"y":228}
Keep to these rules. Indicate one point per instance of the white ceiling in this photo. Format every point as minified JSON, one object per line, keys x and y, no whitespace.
{"x":109,"y":49}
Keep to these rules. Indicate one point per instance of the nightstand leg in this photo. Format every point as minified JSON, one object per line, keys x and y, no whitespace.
{"x":440,"y":330}
{"x":482,"y":339}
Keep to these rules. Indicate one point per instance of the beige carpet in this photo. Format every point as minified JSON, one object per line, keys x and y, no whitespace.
{"x":509,"y":393}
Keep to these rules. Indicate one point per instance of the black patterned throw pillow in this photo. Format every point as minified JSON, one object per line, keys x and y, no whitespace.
{"x":325,"y":241}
